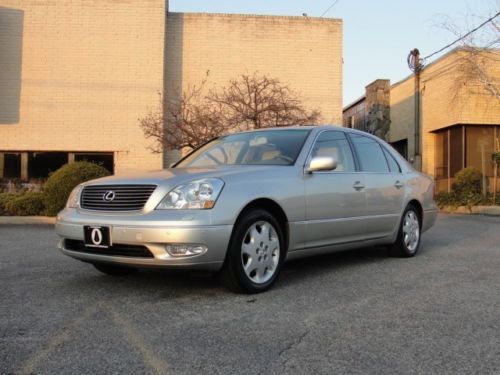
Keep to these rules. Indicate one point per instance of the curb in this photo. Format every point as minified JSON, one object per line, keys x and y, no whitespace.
{"x":27,"y":220}
{"x":476,"y":210}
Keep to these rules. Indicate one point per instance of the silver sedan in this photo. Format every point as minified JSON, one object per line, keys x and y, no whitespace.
{"x":244,"y":203}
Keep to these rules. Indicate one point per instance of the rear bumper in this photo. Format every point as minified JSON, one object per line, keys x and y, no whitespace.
{"x":153,"y":236}
{"x":429,"y":219}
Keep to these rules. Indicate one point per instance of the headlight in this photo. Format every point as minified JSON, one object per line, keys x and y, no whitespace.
{"x":74,"y":198}
{"x":199,"y":194}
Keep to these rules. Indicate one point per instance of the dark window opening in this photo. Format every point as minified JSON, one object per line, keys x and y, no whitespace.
{"x":105,"y":160}
{"x":456,"y":150}
{"x":401,"y":147}
{"x":42,"y":164}
{"x":12,"y":166}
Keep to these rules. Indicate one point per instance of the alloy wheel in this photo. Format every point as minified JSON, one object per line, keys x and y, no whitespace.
{"x":260,"y":252}
{"x":411,"y":231}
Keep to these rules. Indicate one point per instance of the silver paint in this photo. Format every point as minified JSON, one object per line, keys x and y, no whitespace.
{"x":326,"y":211}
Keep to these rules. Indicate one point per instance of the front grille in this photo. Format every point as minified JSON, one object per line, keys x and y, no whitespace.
{"x":126,"y":197}
{"x":137,"y":251}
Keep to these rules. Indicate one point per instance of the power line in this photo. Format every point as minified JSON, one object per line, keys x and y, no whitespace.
{"x":330,"y":7}
{"x":463,"y":36}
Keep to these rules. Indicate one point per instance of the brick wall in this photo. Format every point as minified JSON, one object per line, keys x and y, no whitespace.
{"x":80,"y":74}
{"x":76,"y":75}
{"x":305,"y":53}
{"x":446,"y":100}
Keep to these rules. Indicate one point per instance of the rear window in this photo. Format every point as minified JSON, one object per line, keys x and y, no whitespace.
{"x":370,"y":153}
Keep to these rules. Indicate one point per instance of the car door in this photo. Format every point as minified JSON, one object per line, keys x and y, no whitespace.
{"x":384,"y":186}
{"x":335,"y":200}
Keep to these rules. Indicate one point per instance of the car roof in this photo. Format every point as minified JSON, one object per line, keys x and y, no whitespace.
{"x":311,"y":127}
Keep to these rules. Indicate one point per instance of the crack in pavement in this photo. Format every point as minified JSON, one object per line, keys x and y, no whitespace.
{"x":291,"y":345}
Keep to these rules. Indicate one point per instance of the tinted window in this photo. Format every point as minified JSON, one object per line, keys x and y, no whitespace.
{"x":271,"y":147}
{"x":371,"y":156}
{"x":335,"y":144}
{"x":393,"y":164}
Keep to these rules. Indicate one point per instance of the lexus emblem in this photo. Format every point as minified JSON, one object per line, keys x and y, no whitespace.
{"x":108,"y":196}
{"x":96,"y":236}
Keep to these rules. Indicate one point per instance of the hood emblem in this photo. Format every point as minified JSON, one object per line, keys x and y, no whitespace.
{"x":109,"y":196}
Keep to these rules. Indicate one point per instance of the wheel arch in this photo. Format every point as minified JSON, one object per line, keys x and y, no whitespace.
{"x":275,"y":209}
{"x":420,"y":211}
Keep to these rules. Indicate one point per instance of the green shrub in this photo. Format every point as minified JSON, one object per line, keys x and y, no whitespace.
{"x":467,"y":187}
{"x":61,"y":182}
{"x":4,"y":198}
{"x":24,"y":204}
{"x":443,"y":198}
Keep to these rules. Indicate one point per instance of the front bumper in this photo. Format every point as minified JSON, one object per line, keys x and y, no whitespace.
{"x":150,"y":232}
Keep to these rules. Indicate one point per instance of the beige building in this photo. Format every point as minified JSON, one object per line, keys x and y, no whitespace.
{"x":77,"y":75}
{"x":458,"y":122}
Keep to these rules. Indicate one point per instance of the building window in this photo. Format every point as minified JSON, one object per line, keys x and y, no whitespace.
{"x":401,"y":147}
{"x":12,"y":165}
{"x":463,"y":146}
{"x":456,"y":150}
{"x":42,"y":164}
{"x":480,"y":145}
{"x":104,"y":159}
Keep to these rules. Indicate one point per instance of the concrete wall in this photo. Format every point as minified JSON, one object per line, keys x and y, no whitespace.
{"x":79,"y":74}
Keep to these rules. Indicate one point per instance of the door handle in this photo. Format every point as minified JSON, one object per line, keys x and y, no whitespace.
{"x":399,"y":184}
{"x":358,"y":185}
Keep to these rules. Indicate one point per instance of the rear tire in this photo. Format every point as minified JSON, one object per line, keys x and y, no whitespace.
{"x":409,"y":234}
{"x":115,"y":270}
{"x":255,"y":254}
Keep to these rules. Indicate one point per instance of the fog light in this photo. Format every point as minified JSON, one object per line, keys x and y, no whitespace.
{"x":185,"y":249}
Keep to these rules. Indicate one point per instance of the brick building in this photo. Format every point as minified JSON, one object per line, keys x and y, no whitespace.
{"x":459,"y":117}
{"x":76,"y":75}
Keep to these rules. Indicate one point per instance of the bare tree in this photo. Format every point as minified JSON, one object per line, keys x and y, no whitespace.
{"x":185,"y":122}
{"x":249,"y":102}
{"x":479,"y":53}
{"x":255,"y":102}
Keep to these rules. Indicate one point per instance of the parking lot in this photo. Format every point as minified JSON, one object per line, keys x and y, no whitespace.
{"x":352,"y":312}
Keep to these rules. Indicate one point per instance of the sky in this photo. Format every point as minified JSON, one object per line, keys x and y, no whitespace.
{"x":378,"y":34}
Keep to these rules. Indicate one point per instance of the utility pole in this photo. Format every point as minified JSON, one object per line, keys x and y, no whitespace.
{"x":415,"y":65}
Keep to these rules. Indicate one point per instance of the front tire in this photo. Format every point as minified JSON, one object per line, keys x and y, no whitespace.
{"x":114,"y":270}
{"x":408,"y":240}
{"x":256,"y":252}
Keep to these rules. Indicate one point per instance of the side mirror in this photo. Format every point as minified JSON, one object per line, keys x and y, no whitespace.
{"x":322,"y":163}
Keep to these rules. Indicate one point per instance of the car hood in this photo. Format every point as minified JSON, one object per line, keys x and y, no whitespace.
{"x":172,"y":177}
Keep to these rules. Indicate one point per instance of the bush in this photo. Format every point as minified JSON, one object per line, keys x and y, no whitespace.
{"x":467,"y":187}
{"x":61,"y":182}
{"x":23,"y":204}
{"x":4,"y":199}
{"x":443,"y":198}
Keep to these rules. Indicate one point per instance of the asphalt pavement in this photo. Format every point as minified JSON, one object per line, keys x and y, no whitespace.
{"x":355,"y":312}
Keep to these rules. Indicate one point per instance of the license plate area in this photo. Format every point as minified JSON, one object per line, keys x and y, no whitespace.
{"x":97,"y":236}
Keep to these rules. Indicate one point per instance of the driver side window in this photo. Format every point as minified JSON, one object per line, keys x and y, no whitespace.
{"x":335,"y":144}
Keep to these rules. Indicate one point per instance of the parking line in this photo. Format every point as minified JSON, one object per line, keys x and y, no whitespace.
{"x":56,"y":340}
{"x":134,"y":338}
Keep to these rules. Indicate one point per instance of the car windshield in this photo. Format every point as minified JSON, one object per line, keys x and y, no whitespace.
{"x":269,"y":147}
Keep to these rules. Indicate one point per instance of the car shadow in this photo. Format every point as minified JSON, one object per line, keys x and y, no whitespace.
{"x":298,"y":270}
{"x":158,"y":284}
